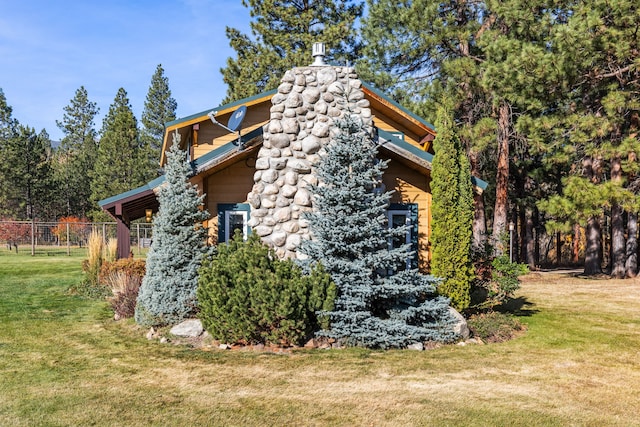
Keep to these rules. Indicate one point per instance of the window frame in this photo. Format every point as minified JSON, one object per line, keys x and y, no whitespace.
{"x":410,"y":211}
{"x":225,"y":211}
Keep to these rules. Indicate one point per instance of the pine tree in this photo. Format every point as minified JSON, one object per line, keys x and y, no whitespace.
{"x":7,"y":130}
{"x":423,"y":50}
{"x":26,"y":171}
{"x":159,"y":108}
{"x":77,"y":154}
{"x":379,"y":302}
{"x":283,"y":35}
{"x":452,"y":214}
{"x":168,"y":291}
{"x":121,"y":160}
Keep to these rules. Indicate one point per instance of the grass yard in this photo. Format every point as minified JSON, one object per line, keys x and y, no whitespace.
{"x":65,"y":362}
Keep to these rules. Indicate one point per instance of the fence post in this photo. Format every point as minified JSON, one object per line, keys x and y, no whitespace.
{"x":33,"y":236}
{"x":68,"y":241}
{"x":138,"y":236}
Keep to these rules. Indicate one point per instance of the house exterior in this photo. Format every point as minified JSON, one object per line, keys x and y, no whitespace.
{"x":257,"y":179}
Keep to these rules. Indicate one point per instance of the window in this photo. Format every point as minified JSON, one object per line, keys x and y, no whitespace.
{"x":400,"y":214}
{"x":232,"y":217}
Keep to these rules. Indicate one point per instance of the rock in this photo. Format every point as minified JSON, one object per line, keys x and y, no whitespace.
{"x":279,"y":238}
{"x":289,"y":190}
{"x":311,"y":144}
{"x":163,"y":340}
{"x":416,"y":346}
{"x":294,"y":100}
{"x":280,"y":140}
{"x":302,"y":197}
{"x":311,"y":95}
{"x":188,"y":328}
{"x":299,"y":165}
{"x":290,"y":125}
{"x":326,"y":75}
{"x":151,"y":334}
{"x":460,"y":326}
{"x":285,"y":87}
{"x":321,"y":130}
{"x":275,"y":126}
{"x":224,"y":347}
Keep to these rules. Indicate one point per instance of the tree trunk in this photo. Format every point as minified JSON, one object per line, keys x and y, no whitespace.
{"x":631,"y":265}
{"x":575,"y":250}
{"x":593,"y":254}
{"x":502,"y":178}
{"x":528,"y":243}
{"x":479,"y":219}
{"x":618,"y":250}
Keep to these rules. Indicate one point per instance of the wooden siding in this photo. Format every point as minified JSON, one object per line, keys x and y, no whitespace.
{"x":212,"y":136}
{"x":412,"y":187}
{"x":229,"y":185}
{"x":383,"y":122}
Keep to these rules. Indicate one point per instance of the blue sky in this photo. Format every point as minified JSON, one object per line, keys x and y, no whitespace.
{"x":49,"y":48}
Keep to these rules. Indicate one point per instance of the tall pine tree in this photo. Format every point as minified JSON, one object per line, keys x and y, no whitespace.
{"x":77,"y":154}
{"x":26,"y":171}
{"x":380,"y":303}
{"x":7,"y":130}
{"x":168,"y":291}
{"x":159,"y":108}
{"x":452,"y":214}
{"x":121,"y":160}
{"x":283,"y":35}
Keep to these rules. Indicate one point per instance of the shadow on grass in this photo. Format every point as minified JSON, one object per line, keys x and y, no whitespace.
{"x":520,"y":306}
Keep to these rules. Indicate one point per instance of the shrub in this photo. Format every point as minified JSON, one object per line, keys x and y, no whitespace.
{"x":246,"y":295}
{"x":123,"y":277}
{"x":496,"y":281}
{"x":125,"y":292}
{"x":494,"y":326}
{"x":129,"y":266}
{"x":111,"y":250}
{"x":91,"y":286}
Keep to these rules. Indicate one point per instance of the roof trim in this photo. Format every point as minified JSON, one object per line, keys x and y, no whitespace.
{"x":386,"y":98}
{"x":151,"y":185}
{"x":389,"y":138}
{"x":227,"y":106}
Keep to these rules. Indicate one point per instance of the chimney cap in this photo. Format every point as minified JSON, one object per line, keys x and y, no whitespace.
{"x":318,"y":53}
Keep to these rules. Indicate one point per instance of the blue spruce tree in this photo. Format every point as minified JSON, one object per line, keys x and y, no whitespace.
{"x":168,"y":291}
{"x":380,"y":303}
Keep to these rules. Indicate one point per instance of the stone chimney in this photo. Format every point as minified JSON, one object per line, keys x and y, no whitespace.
{"x":304,"y":109}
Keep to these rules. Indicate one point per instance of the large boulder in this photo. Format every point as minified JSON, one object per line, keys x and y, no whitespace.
{"x":190,"y":328}
{"x":460,"y":326}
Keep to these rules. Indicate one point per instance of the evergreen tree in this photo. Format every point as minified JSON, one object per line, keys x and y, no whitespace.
{"x":283,"y":35}
{"x":121,"y":160}
{"x":159,"y":108}
{"x":76,"y":155}
{"x":422,"y":51}
{"x":379,"y":302}
{"x":452,"y":214}
{"x":26,"y":171}
{"x":7,"y":130}
{"x":168,"y":291}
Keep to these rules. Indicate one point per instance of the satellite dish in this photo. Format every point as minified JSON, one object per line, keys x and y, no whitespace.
{"x":235,"y":121}
{"x":234,"y":124}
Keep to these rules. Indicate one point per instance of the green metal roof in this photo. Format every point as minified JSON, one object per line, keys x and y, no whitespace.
{"x":398,"y":106}
{"x":148,"y":186}
{"x":424,"y":155}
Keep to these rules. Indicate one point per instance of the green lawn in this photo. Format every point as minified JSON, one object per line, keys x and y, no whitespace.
{"x":64,"y":361}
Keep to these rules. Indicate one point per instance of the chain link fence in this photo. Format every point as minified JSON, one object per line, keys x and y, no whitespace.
{"x":65,"y":238}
